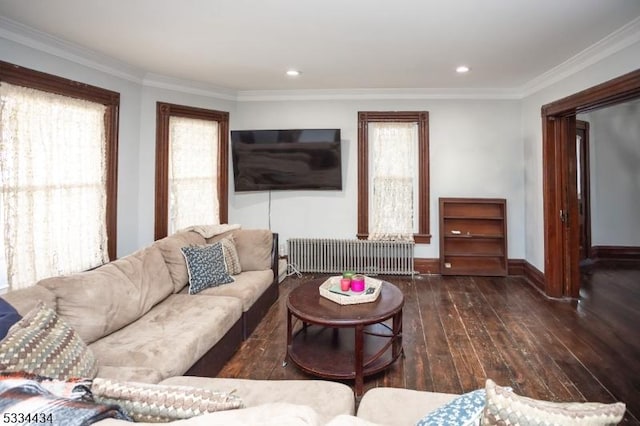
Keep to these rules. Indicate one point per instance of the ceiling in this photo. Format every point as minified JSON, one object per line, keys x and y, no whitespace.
{"x":245,"y":45}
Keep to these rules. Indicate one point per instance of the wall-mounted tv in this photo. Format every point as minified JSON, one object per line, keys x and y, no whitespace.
{"x":301,"y":159}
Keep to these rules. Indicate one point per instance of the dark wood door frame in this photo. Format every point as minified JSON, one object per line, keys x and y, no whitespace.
{"x":561,"y":221}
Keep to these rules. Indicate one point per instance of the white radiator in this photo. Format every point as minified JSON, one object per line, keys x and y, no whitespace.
{"x":360,"y":256}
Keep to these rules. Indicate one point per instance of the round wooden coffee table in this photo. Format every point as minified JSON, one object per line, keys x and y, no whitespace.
{"x":344,"y":341}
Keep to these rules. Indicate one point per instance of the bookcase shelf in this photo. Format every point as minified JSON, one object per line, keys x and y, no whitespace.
{"x":473,"y":236}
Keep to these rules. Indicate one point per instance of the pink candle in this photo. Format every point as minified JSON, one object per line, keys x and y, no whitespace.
{"x":357,"y":283}
{"x":345,"y":283}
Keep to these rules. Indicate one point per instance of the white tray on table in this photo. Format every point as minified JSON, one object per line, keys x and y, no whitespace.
{"x":330,"y":289}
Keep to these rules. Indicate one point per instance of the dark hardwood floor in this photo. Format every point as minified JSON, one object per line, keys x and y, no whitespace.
{"x":458,"y":331}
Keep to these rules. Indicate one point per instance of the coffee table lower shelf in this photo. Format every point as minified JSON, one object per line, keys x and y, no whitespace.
{"x":330,"y":352}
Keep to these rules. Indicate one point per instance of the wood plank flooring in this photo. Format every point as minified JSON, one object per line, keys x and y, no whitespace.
{"x":458,"y":331}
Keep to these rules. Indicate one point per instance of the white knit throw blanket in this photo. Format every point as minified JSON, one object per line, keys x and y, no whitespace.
{"x":208,"y":231}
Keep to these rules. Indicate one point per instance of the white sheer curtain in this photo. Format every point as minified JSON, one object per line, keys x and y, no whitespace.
{"x":193,"y":173}
{"x":53,"y":177}
{"x":393,"y":156}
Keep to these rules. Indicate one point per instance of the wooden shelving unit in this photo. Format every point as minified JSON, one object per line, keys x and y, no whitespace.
{"x":473,"y":236}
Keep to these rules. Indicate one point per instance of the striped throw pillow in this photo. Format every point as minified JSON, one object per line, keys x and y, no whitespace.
{"x":154,"y":403}
{"x":505,"y":408}
{"x":42,"y":343}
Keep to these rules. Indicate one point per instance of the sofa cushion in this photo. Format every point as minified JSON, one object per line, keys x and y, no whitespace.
{"x":273,"y":414}
{"x":98,"y":302}
{"x":129,"y":374}
{"x":248,"y":287}
{"x":27,"y":299}
{"x":42,"y":343}
{"x":206,"y":267}
{"x":504,"y":407}
{"x":465,"y":410}
{"x":231,"y":258}
{"x":172,"y":336}
{"x":254,"y":248}
{"x":328,"y":399}
{"x":8,"y":316}
{"x":145,"y":402}
{"x":395,"y":406}
{"x":346,"y":420}
{"x":170,"y":248}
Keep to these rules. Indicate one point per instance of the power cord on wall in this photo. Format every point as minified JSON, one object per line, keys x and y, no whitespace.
{"x":269,"y":210}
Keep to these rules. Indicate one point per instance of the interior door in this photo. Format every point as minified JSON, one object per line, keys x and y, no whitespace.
{"x":570,"y":207}
{"x":561,"y":239}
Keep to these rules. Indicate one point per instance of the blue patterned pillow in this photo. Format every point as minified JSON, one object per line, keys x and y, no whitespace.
{"x":465,"y":410}
{"x":206,"y":267}
{"x":8,"y":317}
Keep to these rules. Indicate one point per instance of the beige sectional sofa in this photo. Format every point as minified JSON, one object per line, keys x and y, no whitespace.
{"x":142,"y":325}
{"x":317,"y":403}
{"x":137,"y":317}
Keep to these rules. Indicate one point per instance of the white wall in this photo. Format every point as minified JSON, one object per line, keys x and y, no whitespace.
{"x":622,"y":62}
{"x":614,"y":140}
{"x":475,"y":151}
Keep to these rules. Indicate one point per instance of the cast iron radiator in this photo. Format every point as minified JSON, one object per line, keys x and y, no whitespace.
{"x":360,"y":256}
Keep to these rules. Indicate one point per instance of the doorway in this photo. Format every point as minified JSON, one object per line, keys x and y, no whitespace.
{"x":560,"y":188}
{"x":583,"y":190}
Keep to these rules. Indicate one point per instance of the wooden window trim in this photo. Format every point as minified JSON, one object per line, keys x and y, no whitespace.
{"x":164,"y":111}
{"x":422,"y":118}
{"x":20,"y":76}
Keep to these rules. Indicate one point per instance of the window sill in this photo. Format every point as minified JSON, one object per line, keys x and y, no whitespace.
{"x":418,"y":238}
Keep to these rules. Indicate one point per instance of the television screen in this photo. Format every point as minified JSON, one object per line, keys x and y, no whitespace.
{"x":286,"y":159}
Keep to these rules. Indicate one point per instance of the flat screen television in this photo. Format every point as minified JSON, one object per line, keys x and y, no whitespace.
{"x":299,"y":159}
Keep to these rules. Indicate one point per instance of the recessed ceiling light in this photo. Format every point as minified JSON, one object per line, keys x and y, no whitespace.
{"x":293,"y":73}
{"x":462,"y":69}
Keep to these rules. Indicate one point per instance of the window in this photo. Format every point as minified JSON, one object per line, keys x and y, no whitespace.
{"x":376,"y":131}
{"x":58,"y":182}
{"x":191,"y":167}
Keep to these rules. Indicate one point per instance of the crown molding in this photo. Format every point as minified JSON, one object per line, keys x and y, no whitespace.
{"x":38,"y":40}
{"x":192,"y":87}
{"x":618,"y":40}
{"x":375,"y":94}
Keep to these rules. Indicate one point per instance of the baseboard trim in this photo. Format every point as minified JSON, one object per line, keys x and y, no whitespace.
{"x":622,"y":253}
{"x":520,"y":267}
{"x":426,"y":266}
{"x":432,"y":266}
{"x":516,"y":267}
{"x":534,"y":276}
